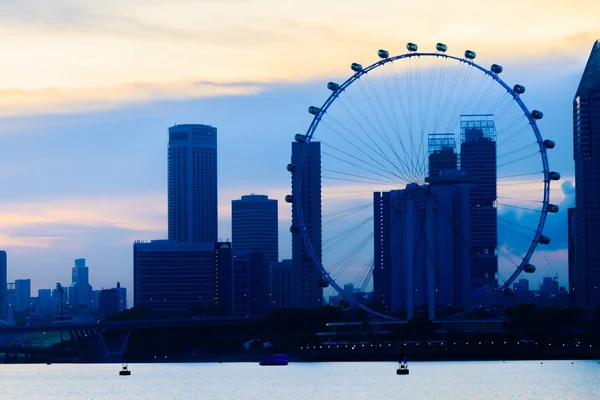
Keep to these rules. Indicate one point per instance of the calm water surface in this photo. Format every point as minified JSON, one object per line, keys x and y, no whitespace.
{"x":432,"y":380}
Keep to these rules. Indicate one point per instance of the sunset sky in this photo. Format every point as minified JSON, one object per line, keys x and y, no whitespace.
{"x":88,"y":90}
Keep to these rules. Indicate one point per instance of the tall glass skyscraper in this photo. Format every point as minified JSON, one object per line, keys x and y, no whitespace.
{"x":192,"y":185}
{"x":478,"y":161}
{"x":254,"y":226}
{"x":585,"y":271}
{"x":306,"y":291}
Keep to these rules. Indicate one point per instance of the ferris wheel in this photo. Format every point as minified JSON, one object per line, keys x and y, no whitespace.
{"x":434,"y":185}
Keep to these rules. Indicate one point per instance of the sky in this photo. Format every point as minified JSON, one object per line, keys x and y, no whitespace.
{"x":88,"y":91}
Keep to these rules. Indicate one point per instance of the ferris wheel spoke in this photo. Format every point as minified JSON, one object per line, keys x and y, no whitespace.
{"x":521,"y":208}
{"x":382,"y":175}
{"x":342,"y":214}
{"x":376,"y":180}
{"x":333,"y":178}
{"x":339,"y":267}
{"x":399,"y":175}
{"x":332,"y":242}
{"x":513,"y":222}
{"x":521,"y":199}
{"x":518,"y":150}
{"x":525,"y":157}
{"x":461,"y":92}
{"x":377,"y":148}
{"x":387,"y":139}
{"x":505,"y":225}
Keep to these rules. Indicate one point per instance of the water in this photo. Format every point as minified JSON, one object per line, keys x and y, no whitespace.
{"x":378,"y":380}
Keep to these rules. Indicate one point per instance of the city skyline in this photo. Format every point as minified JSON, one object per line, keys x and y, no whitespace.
{"x":93,"y":210}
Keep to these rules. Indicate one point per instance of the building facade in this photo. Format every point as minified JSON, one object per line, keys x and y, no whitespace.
{"x":172,"y":277}
{"x":192,"y":183}
{"x":80,"y":291}
{"x":478,"y":161}
{"x":281,"y":279}
{"x":3,"y":285}
{"x":306,"y":291}
{"x":22,"y":294}
{"x":421,"y":251}
{"x":585,"y":270}
{"x":254,"y":226}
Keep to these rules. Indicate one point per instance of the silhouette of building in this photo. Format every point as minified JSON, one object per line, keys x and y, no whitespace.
{"x":281,"y":278}
{"x":172,"y":277}
{"x":250,"y":284}
{"x":122,"y":292}
{"x":22,"y":294}
{"x":442,"y":153}
{"x":306,"y":291}
{"x":192,"y":183}
{"x":585,"y":269}
{"x":254,"y":226}
{"x":421,"y":256}
{"x":571,"y":232}
{"x":3,"y":285}
{"x":80,"y":291}
{"x":478,"y":161}
{"x":108,"y":302}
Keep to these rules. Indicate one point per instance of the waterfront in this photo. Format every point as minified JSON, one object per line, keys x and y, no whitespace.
{"x":348,"y":381}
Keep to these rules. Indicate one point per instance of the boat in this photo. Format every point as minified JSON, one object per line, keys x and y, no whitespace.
{"x":403,"y":368}
{"x":274,"y":359}
{"x":124,"y":371}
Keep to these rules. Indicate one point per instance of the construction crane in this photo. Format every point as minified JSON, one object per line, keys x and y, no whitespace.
{"x":553,"y":274}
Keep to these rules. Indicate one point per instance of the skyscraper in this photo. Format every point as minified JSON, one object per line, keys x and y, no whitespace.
{"x":306,"y":291}
{"x":3,"y":285}
{"x":192,"y":185}
{"x":80,"y":291}
{"x":22,"y":294}
{"x":254,"y":226}
{"x":478,"y":161}
{"x":586,"y":152}
{"x":571,"y":231}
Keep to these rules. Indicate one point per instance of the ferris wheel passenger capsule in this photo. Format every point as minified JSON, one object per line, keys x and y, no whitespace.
{"x":441,"y":47}
{"x":497,"y":69}
{"x":323,"y":283}
{"x":356,"y":67}
{"x":289,"y":198}
{"x":519,"y":89}
{"x":470,"y":54}
{"x":544,"y":239}
{"x":299,"y":137}
{"x":314,"y":110}
{"x":552,"y":208}
{"x":412,"y":47}
{"x":554,"y":176}
{"x":294,"y":229}
{"x":529,"y":268}
{"x":291,"y":168}
{"x":334,"y":87}
{"x":383,"y":54}
{"x":549,"y":144}
{"x":537,"y":114}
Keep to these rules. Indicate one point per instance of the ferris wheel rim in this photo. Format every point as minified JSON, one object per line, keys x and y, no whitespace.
{"x":297,"y":183}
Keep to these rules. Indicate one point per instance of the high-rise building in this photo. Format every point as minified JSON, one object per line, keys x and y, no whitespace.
{"x":172,"y":277}
{"x":585,"y":270}
{"x":192,"y":185}
{"x":22,"y":294}
{"x":3,"y":285}
{"x":80,"y":291}
{"x":281,"y":279}
{"x":442,"y":154}
{"x":122,"y":292}
{"x":571,"y":231}
{"x":306,"y":290}
{"x":254,"y":226}
{"x":421,"y":246}
{"x":108,"y":302}
{"x":250,"y":295}
{"x":478,"y":161}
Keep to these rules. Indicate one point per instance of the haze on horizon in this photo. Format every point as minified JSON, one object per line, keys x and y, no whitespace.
{"x":88,"y":93}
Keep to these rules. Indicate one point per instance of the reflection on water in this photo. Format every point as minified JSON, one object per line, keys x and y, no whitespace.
{"x":378,"y":380}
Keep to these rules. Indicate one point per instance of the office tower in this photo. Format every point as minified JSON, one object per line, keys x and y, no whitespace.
{"x":442,"y":154}
{"x":122,"y":292}
{"x":571,"y":231}
{"x":254,"y":226}
{"x":192,"y":185}
{"x":80,"y":291}
{"x":306,"y":291}
{"x":108,"y":302}
{"x":586,"y":142}
{"x":478,"y":161}
{"x":421,"y":246}
{"x":281,"y":280}
{"x":22,"y":294}
{"x":3,"y":286}
{"x":172,"y":277}
{"x":45,"y":298}
{"x":250,"y":294}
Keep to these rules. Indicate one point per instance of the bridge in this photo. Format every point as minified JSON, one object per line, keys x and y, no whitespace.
{"x":109,"y":338}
